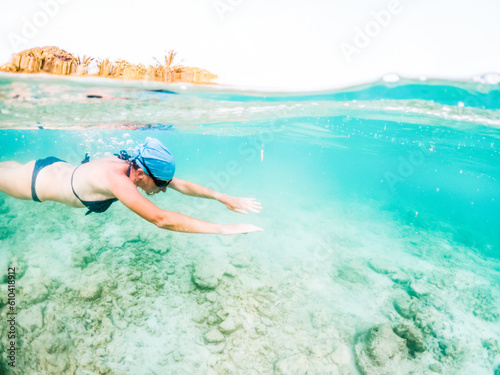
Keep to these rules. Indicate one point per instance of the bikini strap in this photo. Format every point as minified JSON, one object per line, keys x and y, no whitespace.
{"x":123,"y":155}
{"x":72,"y":175}
{"x":86,"y":159}
{"x":72,"y":188}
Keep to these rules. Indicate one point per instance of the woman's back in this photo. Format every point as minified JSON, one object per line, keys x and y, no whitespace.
{"x":60,"y":181}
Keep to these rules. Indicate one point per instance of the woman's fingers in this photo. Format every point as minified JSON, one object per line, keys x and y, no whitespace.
{"x":243,"y":205}
{"x":252,"y":203}
{"x":253,"y":209}
{"x":249,"y":228}
{"x":257,"y":229}
{"x":240,"y":229}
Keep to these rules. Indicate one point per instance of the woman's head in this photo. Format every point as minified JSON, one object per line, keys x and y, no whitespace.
{"x":156,"y":161}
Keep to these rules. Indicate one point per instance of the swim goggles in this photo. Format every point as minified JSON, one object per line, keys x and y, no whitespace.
{"x":159,"y":183}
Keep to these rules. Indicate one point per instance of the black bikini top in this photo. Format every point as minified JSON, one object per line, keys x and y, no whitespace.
{"x":94,"y":206}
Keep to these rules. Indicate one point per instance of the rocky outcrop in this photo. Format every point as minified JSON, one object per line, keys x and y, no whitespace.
{"x":414,"y":338}
{"x":214,"y":336}
{"x":207,"y":274}
{"x":380,"y":351}
{"x":406,"y":306}
{"x":293,"y":365}
{"x":90,"y":291}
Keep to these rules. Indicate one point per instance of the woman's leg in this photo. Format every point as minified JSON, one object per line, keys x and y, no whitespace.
{"x":15,"y":179}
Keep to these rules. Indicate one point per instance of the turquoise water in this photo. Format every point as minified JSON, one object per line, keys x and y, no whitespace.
{"x":381,"y":243}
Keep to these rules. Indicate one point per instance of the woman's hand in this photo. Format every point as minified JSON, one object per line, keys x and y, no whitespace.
{"x":239,"y":229}
{"x":241,"y":205}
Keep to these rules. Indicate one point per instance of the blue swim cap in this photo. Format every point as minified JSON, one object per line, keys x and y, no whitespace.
{"x":156,"y":157}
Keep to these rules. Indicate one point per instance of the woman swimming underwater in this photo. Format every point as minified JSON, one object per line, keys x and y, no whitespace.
{"x":99,"y":183}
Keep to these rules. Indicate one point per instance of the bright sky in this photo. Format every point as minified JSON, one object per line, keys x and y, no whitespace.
{"x":270,"y":44}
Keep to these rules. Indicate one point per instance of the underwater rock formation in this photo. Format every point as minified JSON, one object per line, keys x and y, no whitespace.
{"x":229,"y":325}
{"x":214,"y":336}
{"x":91,"y":290}
{"x":207,"y":274}
{"x":406,"y":306}
{"x":118,"y":299}
{"x":414,"y":338}
{"x":53,"y":353}
{"x":293,"y":365}
{"x":4,"y":233}
{"x":382,"y":266}
{"x":380,"y":350}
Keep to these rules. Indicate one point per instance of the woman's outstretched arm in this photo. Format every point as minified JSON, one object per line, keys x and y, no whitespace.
{"x":127,"y":193}
{"x":236,"y":204}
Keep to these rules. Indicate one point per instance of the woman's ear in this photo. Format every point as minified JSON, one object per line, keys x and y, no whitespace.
{"x":140,"y":173}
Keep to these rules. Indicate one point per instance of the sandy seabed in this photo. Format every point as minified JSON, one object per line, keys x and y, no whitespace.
{"x":330,"y":289}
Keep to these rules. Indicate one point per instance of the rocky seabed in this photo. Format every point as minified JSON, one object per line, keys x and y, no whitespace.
{"x":115,"y":296}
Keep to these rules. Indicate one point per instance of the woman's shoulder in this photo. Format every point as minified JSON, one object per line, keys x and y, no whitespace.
{"x":111,"y":160}
{"x":108,"y":164}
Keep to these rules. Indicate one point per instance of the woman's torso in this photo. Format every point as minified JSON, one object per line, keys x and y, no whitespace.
{"x":90,"y":181}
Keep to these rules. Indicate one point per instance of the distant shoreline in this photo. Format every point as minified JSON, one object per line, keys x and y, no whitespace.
{"x":54,"y":60}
